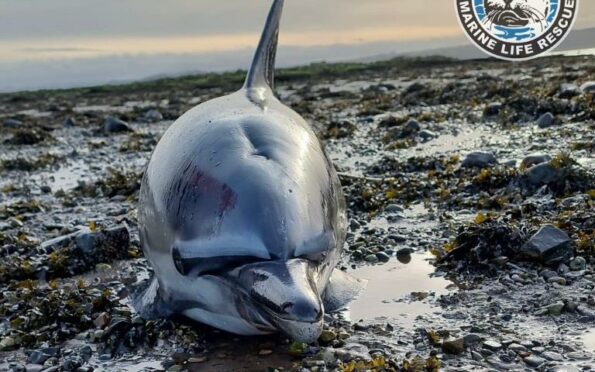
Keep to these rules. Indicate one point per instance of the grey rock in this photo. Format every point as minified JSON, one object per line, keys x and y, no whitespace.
{"x":492,"y":345}
{"x":393,"y":208}
{"x":479,"y":160}
{"x":12,"y":123}
{"x":517,"y":348}
{"x":115,"y":125}
{"x":547,"y":274}
{"x":33,"y":368}
{"x":472,"y":339}
{"x":578,"y":264}
{"x":534,"y":159}
{"x":383,"y":257}
{"x":153,"y":115}
{"x":534,"y":361}
{"x":542,"y":174}
{"x":569,"y":90}
{"x":492,"y":109}
{"x":453,"y":346}
{"x":38,"y":357}
{"x":427,"y":135}
{"x":552,"y":355}
{"x":371,"y":258}
{"x":555,"y":308}
{"x":588,"y":87}
{"x":557,"y":279}
{"x":412,"y":126}
{"x":546,"y":120}
{"x":549,"y":245}
{"x":564,"y":368}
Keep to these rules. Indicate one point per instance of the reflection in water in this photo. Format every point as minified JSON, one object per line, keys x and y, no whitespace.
{"x":388,"y":293}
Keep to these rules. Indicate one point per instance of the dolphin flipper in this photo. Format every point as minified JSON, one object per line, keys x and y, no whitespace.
{"x":341,"y":289}
{"x":148,"y":302}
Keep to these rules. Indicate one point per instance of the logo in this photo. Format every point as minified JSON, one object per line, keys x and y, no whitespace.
{"x":516,"y":29}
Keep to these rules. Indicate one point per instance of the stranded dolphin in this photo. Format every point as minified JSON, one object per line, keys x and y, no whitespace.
{"x":241,"y":214}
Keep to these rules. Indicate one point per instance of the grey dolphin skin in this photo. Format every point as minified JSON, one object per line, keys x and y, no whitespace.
{"x":241,"y":214}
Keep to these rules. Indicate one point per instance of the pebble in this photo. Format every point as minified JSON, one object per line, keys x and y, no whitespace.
{"x":115,"y":125}
{"x":557,"y":279}
{"x":38,"y":357}
{"x":534,"y":361}
{"x":371,"y":258}
{"x":412,"y":126}
{"x":552,"y":355}
{"x":479,"y":160}
{"x":569,"y":90}
{"x":578,"y":264}
{"x":534,"y":159}
{"x":382,"y":257}
{"x":492,"y":345}
{"x":12,"y":123}
{"x":542,"y":174}
{"x":555,"y":308}
{"x":546,"y":120}
{"x":264,"y":352}
{"x":549,"y":245}
{"x":454,"y":346}
{"x":153,"y":115}
{"x":327,"y":336}
{"x":492,"y":109}
{"x":200,"y":359}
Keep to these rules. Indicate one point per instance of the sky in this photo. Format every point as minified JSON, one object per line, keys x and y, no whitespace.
{"x":69,"y":42}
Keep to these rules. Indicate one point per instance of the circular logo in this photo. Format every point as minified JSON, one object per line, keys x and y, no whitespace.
{"x":516,"y":29}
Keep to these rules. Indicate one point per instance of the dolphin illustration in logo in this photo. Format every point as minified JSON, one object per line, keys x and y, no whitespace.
{"x":517,"y":13}
{"x":242,"y":216}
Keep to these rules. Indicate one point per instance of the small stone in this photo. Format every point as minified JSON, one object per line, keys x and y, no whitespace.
{"x":472,"y":339}
{"x":200,"y":359}
{"x":578,"y":264}
{"x":549,"y":245}
{"x":568,"y":90}
{"x":427,"y":135}
{"x":12,"y":123}
{"x":412,"y":126}
{"x":588,"y":87}
{"x":115,"y":125}
{"x":492,"y":345}
{"x":546,"y":120}
{"x":552,"y":355}
{"x":7,"y":343}
{"x":382,"y":257}
{"x":38,"y":357}
{"x":153,"y":115}
{"x":555,"y":308}
{"x":534,"y":159}
{"x":479,"y":160}
{"x":371,"y":258}
{"x":33,"y":368}
{"x":547,"y":274}
{"x":517,"y":348}
{"x":557,"y":279}
{"x":454,"y":346}
{"x":542,"y":174}
{"x":476,"y":356}
{"x":265,"y":352}
{"x":563,"y":368}
{"x":534,"y":361}
{"x":492,"y":109}
{"x":327,"y":336}
{"x":102,"y":320}
{"x":393,"y":208}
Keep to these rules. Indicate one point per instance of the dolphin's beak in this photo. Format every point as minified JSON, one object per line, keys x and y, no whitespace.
{"x":287,"y":293}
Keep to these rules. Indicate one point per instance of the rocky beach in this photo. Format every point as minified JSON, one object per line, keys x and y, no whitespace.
{"x":471,"y":198}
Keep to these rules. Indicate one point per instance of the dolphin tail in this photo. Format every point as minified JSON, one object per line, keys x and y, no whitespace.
{"x":261,"y":73}
{"x":341,"y":289}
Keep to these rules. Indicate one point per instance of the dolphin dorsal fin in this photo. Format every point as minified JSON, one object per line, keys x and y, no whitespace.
{"x":261,"y":73}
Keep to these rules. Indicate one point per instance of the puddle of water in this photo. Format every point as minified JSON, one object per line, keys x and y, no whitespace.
{"x":388,"y":293}
{"x":589,"y":340}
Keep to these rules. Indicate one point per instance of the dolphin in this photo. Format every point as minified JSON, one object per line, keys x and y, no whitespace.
{"x":241,"y":214}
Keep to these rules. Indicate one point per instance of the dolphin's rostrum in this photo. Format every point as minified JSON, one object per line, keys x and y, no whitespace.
{"x":241,"y":214}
